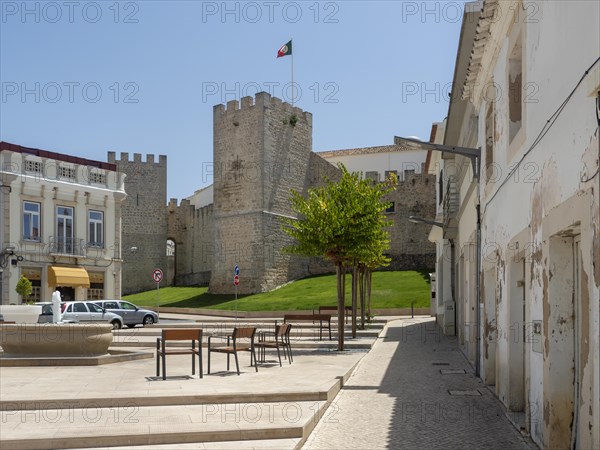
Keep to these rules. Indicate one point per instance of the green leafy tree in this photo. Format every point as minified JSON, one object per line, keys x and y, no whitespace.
{"x":342,"y":221}
{"x":24,"y":287}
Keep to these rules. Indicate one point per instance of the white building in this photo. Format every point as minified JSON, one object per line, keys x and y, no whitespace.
{"x":377,"y":162}
{"x":61,"y":225}
{"x":530,"y":101}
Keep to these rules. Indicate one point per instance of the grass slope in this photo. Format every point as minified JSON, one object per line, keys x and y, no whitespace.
{"x":390,"y":290}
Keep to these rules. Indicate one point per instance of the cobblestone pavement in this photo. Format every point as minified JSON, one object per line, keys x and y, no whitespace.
{"x":398,"y":398}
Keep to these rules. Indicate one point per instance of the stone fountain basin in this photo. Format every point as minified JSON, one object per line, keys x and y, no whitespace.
{"x":55,"y":340}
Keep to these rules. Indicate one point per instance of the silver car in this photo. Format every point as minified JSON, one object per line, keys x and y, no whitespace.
{"x":131,"y":314}
{"x":90,"y":312}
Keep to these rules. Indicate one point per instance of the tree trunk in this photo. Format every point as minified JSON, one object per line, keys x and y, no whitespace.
{"x":354,"y":298}
{"x":341,"y":288}
{"x":361,"y":290}
{"x":369,"y":279}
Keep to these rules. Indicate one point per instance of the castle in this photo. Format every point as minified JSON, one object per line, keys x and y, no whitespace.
{"x":262,"y":149}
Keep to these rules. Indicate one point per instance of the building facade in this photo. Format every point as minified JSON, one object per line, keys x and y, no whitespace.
{"x":61,"y":225}
{"x":528,"y":291}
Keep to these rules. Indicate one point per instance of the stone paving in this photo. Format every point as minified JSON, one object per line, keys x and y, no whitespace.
{"x":398,"y":398}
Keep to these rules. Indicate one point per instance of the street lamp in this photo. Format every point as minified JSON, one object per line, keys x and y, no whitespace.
{"x":474,"y":154}
{"x":415,"y":219}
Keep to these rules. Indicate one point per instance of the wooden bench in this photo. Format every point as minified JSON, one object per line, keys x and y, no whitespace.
{"x":323,"y":319}
{"x":348,"y":310}
{"x":181,"y":334}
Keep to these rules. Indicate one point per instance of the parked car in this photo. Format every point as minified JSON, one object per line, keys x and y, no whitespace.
{"x":47,"y":315}
{"x":131,"y":314}
{"x":81,"y":312}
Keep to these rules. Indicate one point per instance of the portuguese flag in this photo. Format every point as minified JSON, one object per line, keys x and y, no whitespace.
{"x":285,"y":50}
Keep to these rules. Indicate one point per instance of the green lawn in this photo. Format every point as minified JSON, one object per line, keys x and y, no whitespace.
{"x":390,"y":290}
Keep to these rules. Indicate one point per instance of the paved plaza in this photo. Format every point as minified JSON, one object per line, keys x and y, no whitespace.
{"x":395,"y":396}
{"x":398,"y":398}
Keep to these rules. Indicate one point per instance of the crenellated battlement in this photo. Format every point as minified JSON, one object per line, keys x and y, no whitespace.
{"x":265,"y":100}
{"x":137,"y":158}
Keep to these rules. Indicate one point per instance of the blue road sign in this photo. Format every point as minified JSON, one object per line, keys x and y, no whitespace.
{"x":236,"y":270}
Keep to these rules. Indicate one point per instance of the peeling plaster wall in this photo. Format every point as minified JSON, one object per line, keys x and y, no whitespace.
{"x":535,"y":213}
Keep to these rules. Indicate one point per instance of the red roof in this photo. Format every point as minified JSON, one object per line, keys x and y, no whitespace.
{"x":58,"y":156}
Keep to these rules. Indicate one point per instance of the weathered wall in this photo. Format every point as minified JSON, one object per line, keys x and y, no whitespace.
{"x":144,"y":220}
{"x":549,"y":204}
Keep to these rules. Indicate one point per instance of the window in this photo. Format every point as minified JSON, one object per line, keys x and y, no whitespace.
{"x":110,"y":305}
{"x":490,"y":125}
{"x":515,"y":88}
{"x":388,"y":172}
{"x":96,"y":289}
{"x":128,"y":306}
{"x":95,"y":308}
{"x":31,"y":221}
{"x":34,"y":274}
{"x":96,"y":228}
{"x":372,"y":176}
{"x":95,"y":293}
{"x":33,"y":166}
{"x":64,"y":230}
{"x":441,"y":187}
{"x":79,"y":308}
{"x":392,"y":208}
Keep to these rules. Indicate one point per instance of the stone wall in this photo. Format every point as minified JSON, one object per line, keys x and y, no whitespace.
{"x":192,"y":231}
{"x":410,"y":247}
{"x":144,"y":221}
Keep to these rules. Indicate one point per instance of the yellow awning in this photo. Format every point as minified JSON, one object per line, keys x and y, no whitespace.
{"x":68,"y":276}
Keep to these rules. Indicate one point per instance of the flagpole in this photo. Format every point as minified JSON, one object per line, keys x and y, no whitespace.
{"x":291,"y":40}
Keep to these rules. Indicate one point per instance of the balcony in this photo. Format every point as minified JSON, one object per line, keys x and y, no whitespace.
{"x":451,"y":204}
{"x":59,"y":245}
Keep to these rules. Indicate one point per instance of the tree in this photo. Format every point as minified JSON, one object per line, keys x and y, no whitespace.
{"x":24,"y":287}
{"x":342,"y":221}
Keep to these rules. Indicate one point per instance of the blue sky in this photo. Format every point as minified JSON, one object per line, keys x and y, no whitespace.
{"x":84,"y":78}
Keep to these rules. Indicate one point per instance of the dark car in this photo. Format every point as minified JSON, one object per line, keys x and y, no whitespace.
{"x":131,"y":314}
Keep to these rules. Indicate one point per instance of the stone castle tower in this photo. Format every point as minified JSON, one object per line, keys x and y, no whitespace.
{"x":262,"y":149}
{"x":144,"y":219}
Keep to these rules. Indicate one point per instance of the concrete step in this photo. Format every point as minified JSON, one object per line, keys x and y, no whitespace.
{"x":263,"y":444}
{"x":250,"y":322}
{"x":298,"y":331}
{"x":148,"y":342}
{"x":158,"y":425}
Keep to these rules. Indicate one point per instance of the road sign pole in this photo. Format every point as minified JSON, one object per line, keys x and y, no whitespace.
{"x":236,"y":281}
{"x":157,"y":276}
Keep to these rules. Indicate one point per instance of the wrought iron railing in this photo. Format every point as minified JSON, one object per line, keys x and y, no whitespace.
{"x":67,"y":246}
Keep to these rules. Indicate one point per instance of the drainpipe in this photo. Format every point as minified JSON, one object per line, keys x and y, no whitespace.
{"x":453,"y":284}
{"x":478,"y":296}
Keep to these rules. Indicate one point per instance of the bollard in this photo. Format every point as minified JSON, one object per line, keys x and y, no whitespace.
{"x":412,"y":310}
